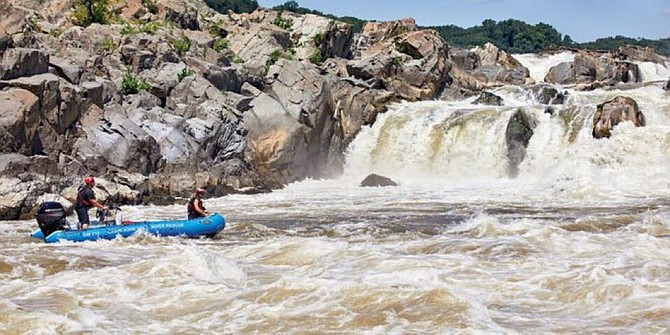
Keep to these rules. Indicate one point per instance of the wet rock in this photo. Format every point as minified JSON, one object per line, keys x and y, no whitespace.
{"x":612,"y":112}
{"x":548,"y":95}
{"x":377,"y":180}
{"x":488,"y":98}
{"x":518,"y":134}
{"x":590,"y":68}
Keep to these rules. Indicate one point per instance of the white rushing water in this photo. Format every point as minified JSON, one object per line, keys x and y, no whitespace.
{"x":578,"y":243}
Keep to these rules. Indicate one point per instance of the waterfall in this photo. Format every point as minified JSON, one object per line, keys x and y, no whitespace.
{"x":457,"y":141}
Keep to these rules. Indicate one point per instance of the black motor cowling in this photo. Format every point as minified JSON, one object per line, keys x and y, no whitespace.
{"x":51,"y":217}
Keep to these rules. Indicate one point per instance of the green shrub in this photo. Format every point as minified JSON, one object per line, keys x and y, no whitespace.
{"x":56,"y":33}
{"x":90,"y":11}
{"x":128,"y":29}
{"x":216,"y":31}
{"x":274,"y":56}
{"x":184,"y":73}
{"x":318,"y":40}
{"x":149,"y":28}
{"x":237,"y":60}
{"x":108,"y":44}
{"x":396,"y":61}
{"x":316,"y":57}
{"x":220,"y":44}
{"x":282,"y":22}
{"x":130,"y":84}
{"x":291,"y":47}
{"x":182,"y":45}
{"x":151,"y":6}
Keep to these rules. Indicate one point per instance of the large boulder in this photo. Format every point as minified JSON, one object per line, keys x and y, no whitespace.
{"x":639,"y":54}
{"x":377,"y":180}
{"x":22,"y":62}
{"x":258,"y":45}
{"x":588,"y":69}
{"x":319,"y":34}
{"x":612,"y":112}
{"x":110,"y":139}
{"x":500,"y":67}
{"x":19,"y":116}
{"x":376,"y":32}
{"x":291,"y":123}
{"x":488,"y":98}
{"x":412,"y":64}
{"x":15,"y":164}
{"x":517,"y":135}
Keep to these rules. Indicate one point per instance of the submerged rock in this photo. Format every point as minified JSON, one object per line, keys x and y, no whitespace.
{"x":488,"y":98}
{"x":377,"y":180}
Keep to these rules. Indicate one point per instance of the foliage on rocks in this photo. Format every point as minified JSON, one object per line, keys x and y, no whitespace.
{"x":182,"y":45}
{"x":220,"y":44}
{"x":316,"y":57}
{"x":131,"y":84}
{"x":108,"y":44}
{"x":90,"y":11}
{"x":184,"y":73}
{"x":150,"y":6}
{"x":282,"y":22}
{"x":237,"y":6}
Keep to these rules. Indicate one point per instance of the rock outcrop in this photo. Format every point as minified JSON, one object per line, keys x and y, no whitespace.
{"x":179,"y":96}
{"x":517,"y":135}
{"x":612,"y":112}
{"x":590,"y":70}
{"x":373,"y":180}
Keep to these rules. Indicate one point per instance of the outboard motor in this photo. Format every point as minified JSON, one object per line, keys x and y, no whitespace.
{"x":51,"y":217}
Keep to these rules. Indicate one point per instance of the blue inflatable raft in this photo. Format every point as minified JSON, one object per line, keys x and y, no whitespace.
{"x":207,"y":226}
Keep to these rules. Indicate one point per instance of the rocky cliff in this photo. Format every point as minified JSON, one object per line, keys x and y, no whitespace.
{"x":170,"y":95}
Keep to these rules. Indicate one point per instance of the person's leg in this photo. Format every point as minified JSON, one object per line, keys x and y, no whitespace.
{"x":82,"y":215}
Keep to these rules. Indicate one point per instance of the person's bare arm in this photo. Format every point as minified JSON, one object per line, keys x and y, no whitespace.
{"x":198,"y":208}
{"x":97,"y":204}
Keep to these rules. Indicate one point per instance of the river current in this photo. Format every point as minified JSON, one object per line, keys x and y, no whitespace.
{"x":578,"y":243}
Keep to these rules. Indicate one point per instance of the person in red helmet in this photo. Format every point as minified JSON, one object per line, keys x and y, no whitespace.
{"x":85,"y":201}
{"x":195,"y":207}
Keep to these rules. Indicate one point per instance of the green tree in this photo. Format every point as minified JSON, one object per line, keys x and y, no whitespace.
{"x":237,"y":6}
{"x":509,"y":35}
{"x":293,"y":6}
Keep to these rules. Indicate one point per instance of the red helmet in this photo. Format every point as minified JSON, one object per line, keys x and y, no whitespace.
{"x":200,"y":190}
{"x":89,"y":180}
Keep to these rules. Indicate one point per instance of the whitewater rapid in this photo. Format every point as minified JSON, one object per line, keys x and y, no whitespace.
{"x":578,"y":243}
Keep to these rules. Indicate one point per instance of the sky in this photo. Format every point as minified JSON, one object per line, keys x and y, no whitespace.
{"x":583,"y":20}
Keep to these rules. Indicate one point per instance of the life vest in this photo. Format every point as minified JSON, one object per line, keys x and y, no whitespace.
{"x":81,"y":200}
{"x":191,"y":206}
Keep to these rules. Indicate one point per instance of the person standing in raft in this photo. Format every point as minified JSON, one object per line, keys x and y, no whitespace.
{"x":85,"y":201}
{"x":195,"y":207}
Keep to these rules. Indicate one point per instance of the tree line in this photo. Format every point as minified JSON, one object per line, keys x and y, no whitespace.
{"x":511,"y":35}
{"x":237,"y":6}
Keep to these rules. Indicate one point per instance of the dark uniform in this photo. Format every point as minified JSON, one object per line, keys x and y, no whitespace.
{"x":83,"y":204}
